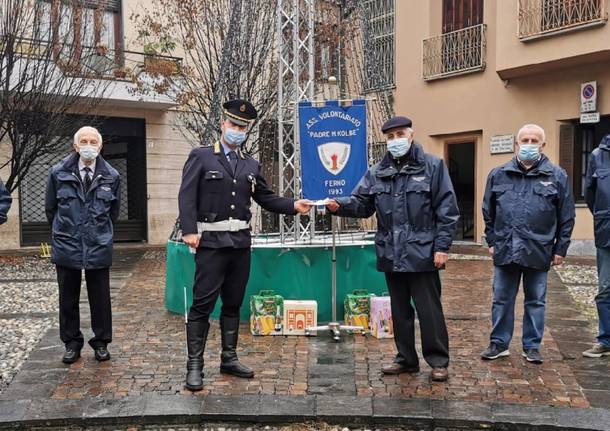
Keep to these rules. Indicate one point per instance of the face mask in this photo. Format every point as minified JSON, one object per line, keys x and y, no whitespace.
{"x":234,"y":137}
{"x":88,"y":152}
{"x":529,"y":152}
{"x":399,"y":147}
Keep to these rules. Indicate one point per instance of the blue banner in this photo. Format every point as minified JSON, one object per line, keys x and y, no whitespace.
{"x":333,"y":148}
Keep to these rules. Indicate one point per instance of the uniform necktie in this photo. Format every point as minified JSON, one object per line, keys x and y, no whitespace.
{"x":87,"y":182}
{"x":233,"y":160}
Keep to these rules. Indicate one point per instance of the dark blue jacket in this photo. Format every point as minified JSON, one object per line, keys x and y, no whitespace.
{"x":597,"y":192}
{"x":416,"y":208}
{"x":529,"y":215}
{"x":5,"y":202}
{"x":82,"y":225}
{"x":212,"y":192}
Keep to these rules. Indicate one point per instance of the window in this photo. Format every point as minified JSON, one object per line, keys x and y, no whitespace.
{"x":379,"y":44}
{"x":84,"y":24}
{"x":459,"y":14}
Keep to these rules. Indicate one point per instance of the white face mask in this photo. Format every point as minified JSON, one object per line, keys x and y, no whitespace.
{"x":88,"y":152}
{"x":399,"y":147}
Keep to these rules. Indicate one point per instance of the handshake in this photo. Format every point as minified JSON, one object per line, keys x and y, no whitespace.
{"x":303,"y":206}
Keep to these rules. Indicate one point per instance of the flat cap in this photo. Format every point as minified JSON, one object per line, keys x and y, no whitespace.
{"x":395,"y":122}
{"x":240,"y":112}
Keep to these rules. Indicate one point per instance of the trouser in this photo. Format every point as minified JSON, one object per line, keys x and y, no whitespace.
{"x":505,"y":287}
{"x":602,"y":300}
{"x":220,"y":272}
{"x":425,"y":290}
{"x":98,"y":292}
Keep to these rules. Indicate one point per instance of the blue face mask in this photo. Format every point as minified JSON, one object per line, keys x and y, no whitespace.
{"x":234,"y":137}
{"x":529,"y":152}
{"x":399,"y":147}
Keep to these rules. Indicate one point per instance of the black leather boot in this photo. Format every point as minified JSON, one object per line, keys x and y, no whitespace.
{"x":229,"y":364}
{"x":196,"y":336}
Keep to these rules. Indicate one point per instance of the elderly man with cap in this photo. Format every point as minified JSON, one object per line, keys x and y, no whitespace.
{"x":529,"y":213}
{"x":218,"y":183}
{"x":417,"y":213}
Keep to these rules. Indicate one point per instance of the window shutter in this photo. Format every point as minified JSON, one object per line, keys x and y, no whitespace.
{"x":566,"y":148}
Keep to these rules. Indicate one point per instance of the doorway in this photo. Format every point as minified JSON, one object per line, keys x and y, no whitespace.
{"x":461,"y":165}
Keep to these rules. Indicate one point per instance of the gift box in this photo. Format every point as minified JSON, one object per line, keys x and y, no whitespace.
{"x":299,"y":315}
{"x":266,"y":313}
{"x":357,"y":309}
{"x":381,"y":317}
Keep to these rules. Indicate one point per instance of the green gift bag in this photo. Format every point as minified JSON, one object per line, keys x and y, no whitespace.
{"x":357,"y":308}
{"x":266,"y":313}
{"x":180,"y":272}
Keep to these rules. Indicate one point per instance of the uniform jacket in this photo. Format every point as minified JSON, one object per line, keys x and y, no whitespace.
{"x":82,"y":225}
{"x":5,"y":202}
{"x":416,"y":209}
{"x":211,"y":192}
{"x":597,"y":192}
{"x":529,"y":215}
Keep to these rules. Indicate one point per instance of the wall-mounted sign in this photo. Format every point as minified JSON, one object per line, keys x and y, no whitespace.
{"x":588,"y":97}
{"x":501,"y":144}
{"x":590,"y":117}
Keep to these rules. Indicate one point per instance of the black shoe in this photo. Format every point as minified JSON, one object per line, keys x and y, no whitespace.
{"x":533,"y":356}
{"x":196,"y":336}
{"x":70,"y":356}
{"x":229,"y":363}
{"x":101,"y":354}
{"x":494,"y":351}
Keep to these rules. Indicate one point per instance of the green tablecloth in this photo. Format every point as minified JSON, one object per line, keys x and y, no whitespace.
{"x":295,"y":273}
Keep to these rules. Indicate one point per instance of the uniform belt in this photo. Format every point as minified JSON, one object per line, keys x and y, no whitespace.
{"x":223,"y":226}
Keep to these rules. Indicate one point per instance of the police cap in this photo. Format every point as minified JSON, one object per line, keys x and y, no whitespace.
{"x":396,"y":122}
{"x":240,"y":112}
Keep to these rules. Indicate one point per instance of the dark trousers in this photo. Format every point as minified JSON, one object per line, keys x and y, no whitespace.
{"x":220,"y":272}
{"x":425,"y":290}
{"x":98,"y":291}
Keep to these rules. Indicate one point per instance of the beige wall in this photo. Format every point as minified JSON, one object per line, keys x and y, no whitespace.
{"x":482,"y":104}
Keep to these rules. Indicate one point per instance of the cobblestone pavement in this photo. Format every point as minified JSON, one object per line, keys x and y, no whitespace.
{"x":148,"y":353}
{"x":28,"y":304}
{"x":149,"y":356}
{"x":581,"y":281}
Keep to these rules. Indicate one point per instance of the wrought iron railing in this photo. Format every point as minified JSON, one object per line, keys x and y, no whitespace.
{"x":96,"y":61}
{"x":538,"y":18}
{"x":454,"y":53}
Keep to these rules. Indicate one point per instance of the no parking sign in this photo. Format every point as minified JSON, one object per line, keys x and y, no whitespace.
{"x":588,"y":97}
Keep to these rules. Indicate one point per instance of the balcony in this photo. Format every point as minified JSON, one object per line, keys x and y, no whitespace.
{"x":455,"y":53}
{"x":97,"y":62}
{"x":123,"y":71}
{"x":542,"y":18}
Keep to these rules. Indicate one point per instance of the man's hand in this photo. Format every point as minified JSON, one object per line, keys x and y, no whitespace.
{"x":491,"y":251}
{"x":192,"y":240}
{"x":558,"y":260}
{"x":332,"y":206}
{"x":303,"y":206}
{"x":440,"y":259}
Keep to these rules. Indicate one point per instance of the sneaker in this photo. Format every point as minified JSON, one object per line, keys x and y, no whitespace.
{"x":597,"y":351}
{"x":533,"y":356}
{"x":494,"y":351}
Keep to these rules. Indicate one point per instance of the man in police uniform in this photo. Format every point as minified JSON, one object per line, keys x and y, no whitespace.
{"x":218,"y":183}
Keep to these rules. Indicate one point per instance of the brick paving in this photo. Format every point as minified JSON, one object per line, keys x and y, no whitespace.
{"x":149,"y":354}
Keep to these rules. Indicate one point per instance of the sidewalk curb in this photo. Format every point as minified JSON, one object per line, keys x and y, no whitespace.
{"x":422,"y":413}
